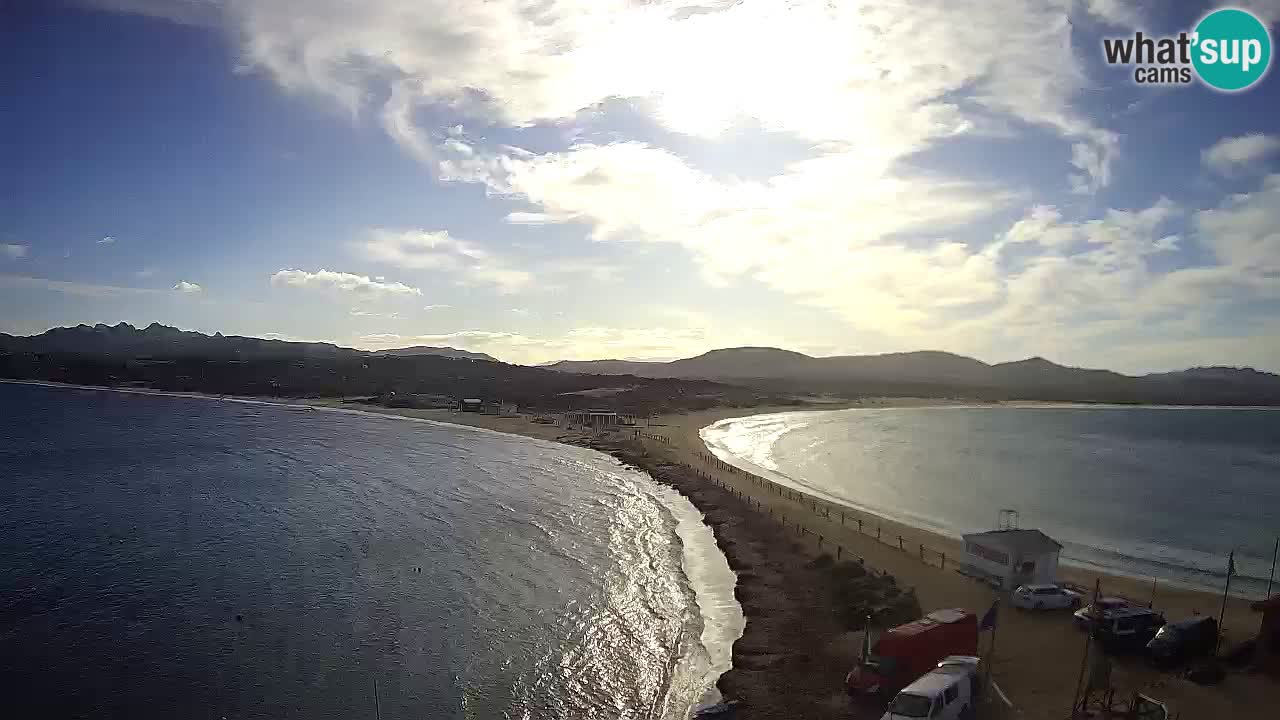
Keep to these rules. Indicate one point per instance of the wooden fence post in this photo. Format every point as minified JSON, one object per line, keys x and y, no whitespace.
{"x":878,"y":529}
{"x":944,"y":561}
{"x":900,"y":542}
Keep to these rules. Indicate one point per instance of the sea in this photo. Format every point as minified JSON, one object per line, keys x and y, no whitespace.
{"x":1164,"y":494}
{"x":166,"y":557}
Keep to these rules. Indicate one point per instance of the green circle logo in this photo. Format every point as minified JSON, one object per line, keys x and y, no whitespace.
{"x":1232,"y":49}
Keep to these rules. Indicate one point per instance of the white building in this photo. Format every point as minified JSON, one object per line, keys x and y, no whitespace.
{"x":1009,"y":558}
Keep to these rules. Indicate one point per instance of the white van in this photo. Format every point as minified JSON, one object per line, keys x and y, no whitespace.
{"x":945,"y":693}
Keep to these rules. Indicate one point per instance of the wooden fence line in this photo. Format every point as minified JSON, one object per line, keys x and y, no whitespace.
{"x":926,"y":555}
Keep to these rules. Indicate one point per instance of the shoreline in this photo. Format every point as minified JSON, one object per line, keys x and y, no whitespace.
{"x":1035,"y":670}
{"x":792,"y":656}
{"x":953,"y":535}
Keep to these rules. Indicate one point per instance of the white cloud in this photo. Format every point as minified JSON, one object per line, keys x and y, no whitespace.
{"x":188,"y":288}
{"x":14,"y":251}
{"x":468,"y":263}
{"x":1236,"y":153}
{"x":368,"y":314}
{"x":1120,"y":13}
{"x":533,"y":218}
{"x":72,"y":288}
{"x":359,"y":285}
{"x":106,"y":240}
{"x":802,"y":232}
{"x":1244,"y":232}
{"x":423,"y":250}
{"x":145,"y":273}
{"x":440,"y":306}
{"x":877,"y":77}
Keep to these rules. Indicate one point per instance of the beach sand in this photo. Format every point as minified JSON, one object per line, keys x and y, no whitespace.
{"x":791,"y":638}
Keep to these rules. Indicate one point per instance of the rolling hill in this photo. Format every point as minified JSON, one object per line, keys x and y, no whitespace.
{"x":935,"y":373}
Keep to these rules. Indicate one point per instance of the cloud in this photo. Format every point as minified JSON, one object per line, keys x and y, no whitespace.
{"x":533,"y":218}
{"x":144,"y":273}
{"x":469,"y":264}
{"x":1120,"y":13}
{"x":802,"y":232}
{"x":1244,"y":232}
{"x":359,"y":285}
{"x":188,"y":288}
{"x":106,"y":240}
{"x":14,"y":251}
{"x":1237,"y":153}
{"x":365,"y":313}
{"x":880,"y":78}
{"x":424,"y":250}
{"x":1268,"y":11}
{"x":439,"y":306}
{"x":72,"y":288}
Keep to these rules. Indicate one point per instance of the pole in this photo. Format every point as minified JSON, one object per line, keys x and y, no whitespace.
{"x":1272,"y":577}
{"x":1231,"y":569}
{"x":1088,"y":636}
{"x":1152,"y":605}
{"x":377,"y":707}
{"x":991,"y":653}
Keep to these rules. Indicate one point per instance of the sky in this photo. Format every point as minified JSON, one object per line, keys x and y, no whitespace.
{"x":578,"y":179}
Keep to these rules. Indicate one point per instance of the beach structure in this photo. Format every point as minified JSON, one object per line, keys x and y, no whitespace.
{"x":1269,"y":636}
{"x":599,"y":419}
{"x":1011,"y":557}
{"x":499,"y":408}
{"x":470,"y":405}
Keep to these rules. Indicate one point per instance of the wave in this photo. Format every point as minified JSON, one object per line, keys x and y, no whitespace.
{"x":713,"y":583}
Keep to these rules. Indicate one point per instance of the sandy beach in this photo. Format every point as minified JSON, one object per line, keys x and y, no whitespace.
{"x":789,"y":630}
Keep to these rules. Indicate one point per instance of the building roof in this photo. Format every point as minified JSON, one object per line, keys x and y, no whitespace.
{"x":1024,"y":541}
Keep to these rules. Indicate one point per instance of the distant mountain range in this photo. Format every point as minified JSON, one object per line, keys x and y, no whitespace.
{"x":441,"y":351}
{"x":167,"y":358}
{"x":932,"y":373}
{"x":162,"y":341}
{"x":775,"y":372}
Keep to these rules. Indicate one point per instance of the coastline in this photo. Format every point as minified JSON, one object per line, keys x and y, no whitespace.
{"x":792,"y":656}
{"x":1038,"y":656}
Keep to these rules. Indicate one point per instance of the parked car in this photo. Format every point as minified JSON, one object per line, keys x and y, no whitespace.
{"x":1180,"y":641}
{"x":1128,"y":629}
{"x":944,"y":693}
{"x":1084,"y":618}
{"x":1045,"y":597}
{"x":970,"y":665}
{"x":907,"y":651}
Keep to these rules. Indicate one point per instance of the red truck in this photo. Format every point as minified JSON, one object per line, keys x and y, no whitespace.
{"x":906,"y":652}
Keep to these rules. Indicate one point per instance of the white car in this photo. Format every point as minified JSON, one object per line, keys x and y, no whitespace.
{"x":1045,"y":597}
{"x":945,"y":693}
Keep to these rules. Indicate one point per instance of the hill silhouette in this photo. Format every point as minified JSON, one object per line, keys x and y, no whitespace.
{"x":934,"y":373}
{"x":167,"y":358}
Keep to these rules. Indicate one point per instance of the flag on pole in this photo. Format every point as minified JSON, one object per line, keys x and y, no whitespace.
{"x":989,"y":619}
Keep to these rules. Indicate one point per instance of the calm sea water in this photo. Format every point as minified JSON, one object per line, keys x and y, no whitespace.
{"x":174,"y":557}
{"x":1150,"y":492}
